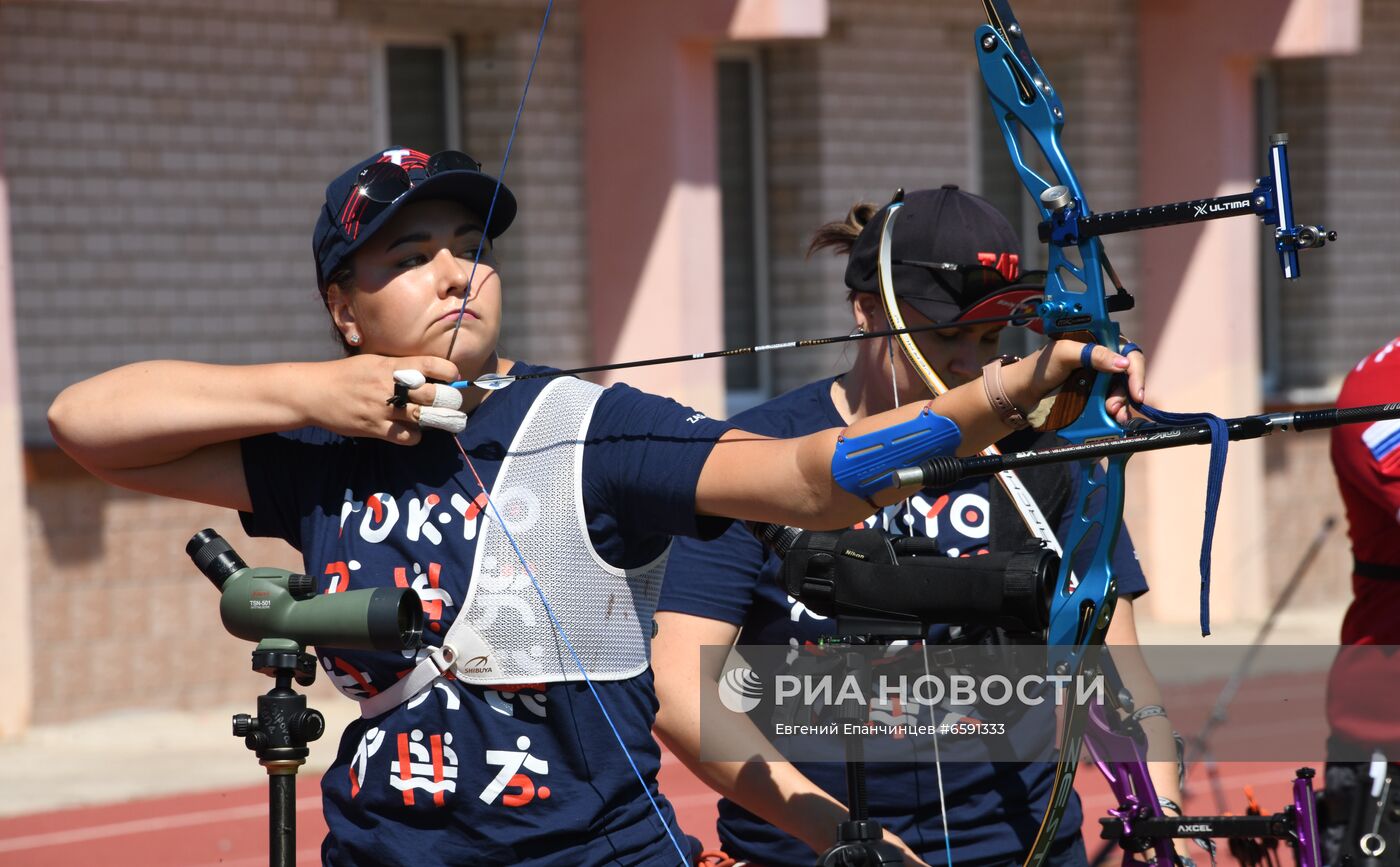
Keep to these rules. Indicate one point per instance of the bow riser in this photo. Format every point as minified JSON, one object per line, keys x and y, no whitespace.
{"x":1075,"y":306}
{"x":1078,"y":304}
{"x":1100,"y":507}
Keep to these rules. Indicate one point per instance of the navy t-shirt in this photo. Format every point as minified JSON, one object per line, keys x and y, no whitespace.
{"x":465,"y":774}
{"x":993,"y":809}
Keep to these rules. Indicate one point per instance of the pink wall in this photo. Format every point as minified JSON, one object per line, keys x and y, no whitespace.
{"x":16,"y":701}
{"x":651,"y":179}
{"x":1199,"y":297}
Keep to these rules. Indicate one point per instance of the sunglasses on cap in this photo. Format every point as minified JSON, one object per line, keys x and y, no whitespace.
{"x":962,"y":281}
{"x":381,"y":184}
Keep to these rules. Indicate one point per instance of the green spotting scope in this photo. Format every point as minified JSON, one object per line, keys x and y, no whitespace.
{"x":265,"y":603}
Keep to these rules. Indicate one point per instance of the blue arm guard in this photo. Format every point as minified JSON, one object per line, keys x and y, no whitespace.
{"x":865,"y":464}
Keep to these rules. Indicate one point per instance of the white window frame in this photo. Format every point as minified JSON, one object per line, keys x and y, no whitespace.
{"x":381,"y":41}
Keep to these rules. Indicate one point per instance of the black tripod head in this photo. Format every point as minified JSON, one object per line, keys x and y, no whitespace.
{"x":859,"y":844}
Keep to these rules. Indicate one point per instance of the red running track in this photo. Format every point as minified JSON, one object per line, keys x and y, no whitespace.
{"x":229,"y":828}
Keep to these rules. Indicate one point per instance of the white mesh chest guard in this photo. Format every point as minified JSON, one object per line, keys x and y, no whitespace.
{"x":503,"y":635}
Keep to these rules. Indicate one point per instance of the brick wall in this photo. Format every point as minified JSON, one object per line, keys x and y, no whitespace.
{"x":888,"y":101}
{"x":165,"y":162}
{"x":1344,"y":131}
{"x":1302,"y":492}
{"x":120,"y":616}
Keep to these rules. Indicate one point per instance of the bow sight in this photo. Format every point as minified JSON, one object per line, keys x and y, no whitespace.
{"x":1271,"y":199}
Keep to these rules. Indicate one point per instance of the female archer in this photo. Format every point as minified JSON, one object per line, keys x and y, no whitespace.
{"x":534,"y":520}
{"x":956,"y":260}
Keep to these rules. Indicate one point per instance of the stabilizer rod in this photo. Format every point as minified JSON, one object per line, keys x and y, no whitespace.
{"x":942,"y":472}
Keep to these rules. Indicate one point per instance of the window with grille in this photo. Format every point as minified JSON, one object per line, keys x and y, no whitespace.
{"x":416,"y":95}
{"x":743,"y":205}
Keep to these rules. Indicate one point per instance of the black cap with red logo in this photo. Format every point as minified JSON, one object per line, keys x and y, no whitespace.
{"x":954,"y":257}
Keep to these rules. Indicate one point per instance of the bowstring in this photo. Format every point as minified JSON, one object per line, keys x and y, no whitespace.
{"x":491,"y":503}
{"x":928,"y":668}
{"x":500,"y":179}
{"x":568,"y":645}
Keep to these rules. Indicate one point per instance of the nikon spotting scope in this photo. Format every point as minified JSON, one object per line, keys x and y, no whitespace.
{"x":263,"y":603}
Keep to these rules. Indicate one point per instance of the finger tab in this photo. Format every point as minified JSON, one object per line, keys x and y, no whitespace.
{"x":410,"y":378}
{"x":447,"y":397}
{"x":440,"y":418}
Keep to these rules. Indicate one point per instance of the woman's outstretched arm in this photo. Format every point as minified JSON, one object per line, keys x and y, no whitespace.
{"x":790,"y":481}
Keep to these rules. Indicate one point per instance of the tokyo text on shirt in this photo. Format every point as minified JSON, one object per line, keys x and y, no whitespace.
{"x":483,"y":774}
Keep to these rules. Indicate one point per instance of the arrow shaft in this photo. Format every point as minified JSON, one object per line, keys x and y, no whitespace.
{"x":753,"y":350}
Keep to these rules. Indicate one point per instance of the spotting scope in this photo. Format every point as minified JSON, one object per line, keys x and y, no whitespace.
{"x":264,"y":603}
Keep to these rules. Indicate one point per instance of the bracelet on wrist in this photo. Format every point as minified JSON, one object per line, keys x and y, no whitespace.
{"x":995,"y":389}
{"x":1147,"y":711}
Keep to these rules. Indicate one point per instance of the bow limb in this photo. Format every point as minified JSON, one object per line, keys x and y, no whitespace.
{"x":1075,"y":307}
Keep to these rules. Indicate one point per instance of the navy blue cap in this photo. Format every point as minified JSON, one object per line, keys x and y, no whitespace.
{"x":341,"y":231}
{"x":946,"y":225}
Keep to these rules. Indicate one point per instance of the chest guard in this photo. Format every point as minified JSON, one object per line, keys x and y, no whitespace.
{"x":504,"y":635}
{"x":606,"y":612}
